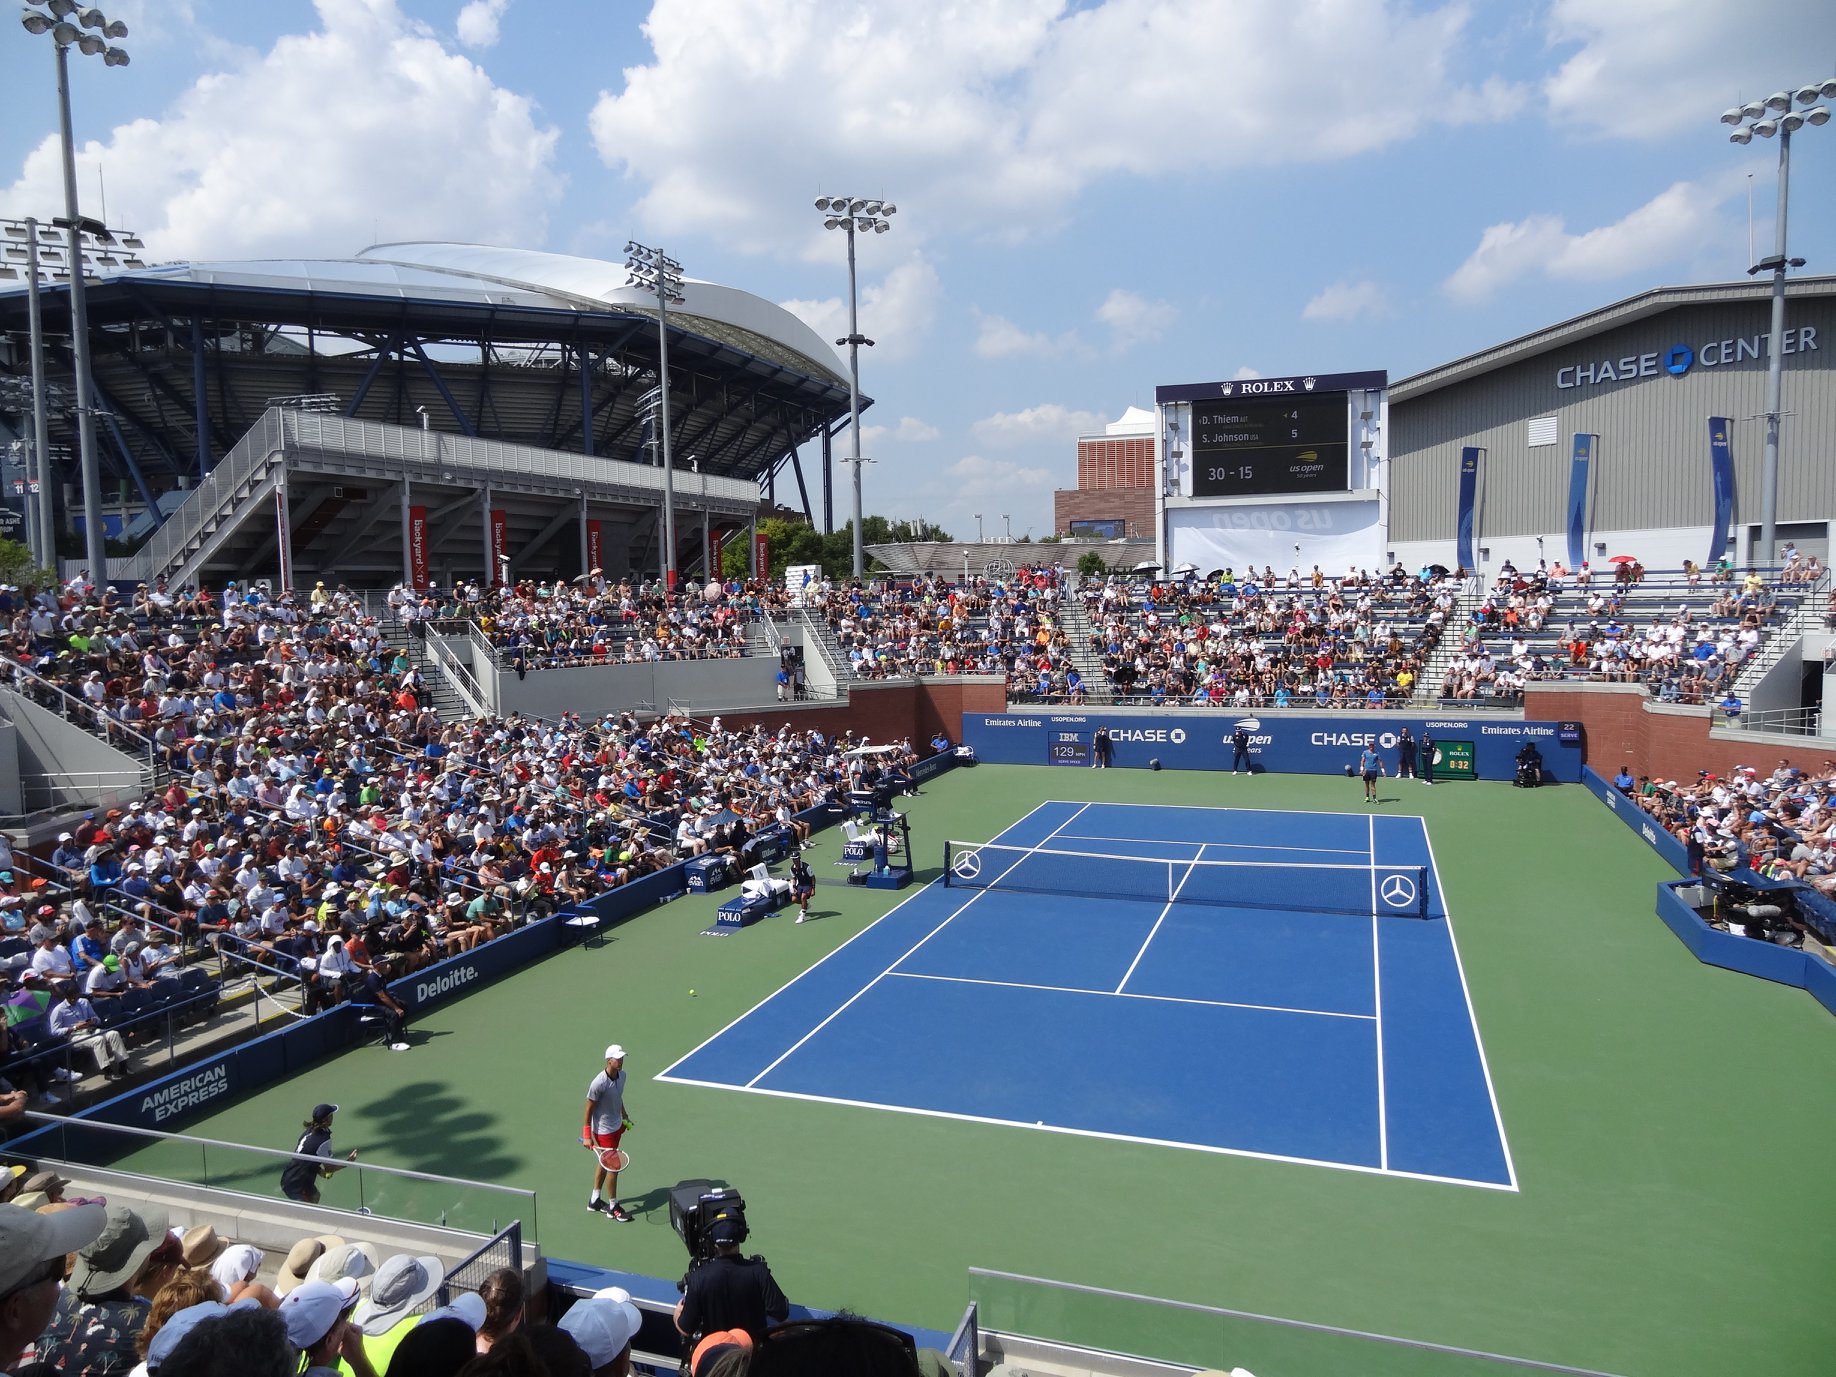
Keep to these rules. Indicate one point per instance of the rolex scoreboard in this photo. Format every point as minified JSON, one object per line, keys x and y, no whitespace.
{"x":1246,"y":446}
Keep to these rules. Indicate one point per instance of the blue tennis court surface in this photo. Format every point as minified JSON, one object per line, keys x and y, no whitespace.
{"x":1137,"y":1006}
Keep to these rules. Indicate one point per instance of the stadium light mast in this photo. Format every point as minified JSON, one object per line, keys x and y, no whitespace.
{"x":1774,"y":115}
{"x":654,"y":271}
{"x":54,"y":17}
{"x":853,"y":213}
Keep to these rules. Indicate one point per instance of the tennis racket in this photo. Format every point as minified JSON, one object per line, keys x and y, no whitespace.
{"x":612,"y":1159}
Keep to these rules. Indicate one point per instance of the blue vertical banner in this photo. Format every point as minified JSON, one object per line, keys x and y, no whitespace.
{"x":1469,"y":495}
{"x":1578,"y":476}
{"x":1721,"y":474}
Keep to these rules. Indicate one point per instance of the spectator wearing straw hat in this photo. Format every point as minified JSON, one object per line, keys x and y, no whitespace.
{"x":32,"y":1251}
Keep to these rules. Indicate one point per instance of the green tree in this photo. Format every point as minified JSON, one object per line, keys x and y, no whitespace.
{"x":18,"y":567}
{"x":1092,"y":565}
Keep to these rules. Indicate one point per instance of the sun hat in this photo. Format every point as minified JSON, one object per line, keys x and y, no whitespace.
{"x":301,"y":1258}
{"x":401,"y":1283}
{"x":125,"y":1241}
{"x":29,"y":1239}
{"x":201,"y":1246}
{"x":355,"y":1261}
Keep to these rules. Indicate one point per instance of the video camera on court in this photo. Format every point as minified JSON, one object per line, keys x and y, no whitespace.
{"x":694,"y":1208}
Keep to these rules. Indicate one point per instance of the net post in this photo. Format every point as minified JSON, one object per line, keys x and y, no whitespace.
{"x":946,"y":870}
{"x":1421,"y":891}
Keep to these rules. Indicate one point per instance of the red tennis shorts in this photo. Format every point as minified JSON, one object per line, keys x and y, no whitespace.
{"x":608,"y":1140}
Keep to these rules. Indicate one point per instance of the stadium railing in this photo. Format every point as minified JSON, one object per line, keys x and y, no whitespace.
{"x":1047,"y":1315}
{"x":362,"y":1187}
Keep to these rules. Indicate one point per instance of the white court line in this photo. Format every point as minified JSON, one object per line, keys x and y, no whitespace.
{"x":1119,"y":994}
{"x":1172,"y":899}
{"x":1221,"y":808}
{"x":1094,"y":1133}
{"x":960,"y":908}
{"x":1043,"y":850}
{"x":716,"y":1036}
{"x":1472,"y":1015}
{"x":1383,"y":1119}
{"x":1223,"y":846}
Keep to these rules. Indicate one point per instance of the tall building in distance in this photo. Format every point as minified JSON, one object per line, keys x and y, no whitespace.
{"x":1114,"y":496}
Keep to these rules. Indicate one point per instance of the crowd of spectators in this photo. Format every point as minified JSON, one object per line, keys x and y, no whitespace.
{"x":594,"y":620}
{"x":112,"y":1288}
{"x":317,"y":820}
{"x":1258,"y":639}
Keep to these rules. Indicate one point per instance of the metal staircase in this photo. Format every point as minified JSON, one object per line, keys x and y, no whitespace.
{"x":1453,"y":634}
{"x":1785,"y":639}
{"x":1075,"y":623}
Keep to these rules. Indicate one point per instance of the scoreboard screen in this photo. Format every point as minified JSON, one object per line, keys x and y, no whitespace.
{"x":1245,"y":447}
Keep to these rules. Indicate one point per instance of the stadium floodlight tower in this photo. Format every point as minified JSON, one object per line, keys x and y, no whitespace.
{"x":853,"y":213}
{"x":655,"y":271}
{"x":54,"y":17}
{"x":1774,"y":115}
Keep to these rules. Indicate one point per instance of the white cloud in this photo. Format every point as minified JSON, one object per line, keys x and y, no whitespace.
{"x":985,"y":115}
{"x":973,"y":477}
{"x":1049,"y":423}
{"x":915,"y":431}
{"x":1676,"y":58}
{"x":477,"y":25}
{"x":997,"y":337}
{"x":1133,"y":319}
{"x":1245,"y":372}
{"x":896,"y":312}
{"x":1666,"y":228}
{"x":1347,"y":301}
{"x":366,"y":128}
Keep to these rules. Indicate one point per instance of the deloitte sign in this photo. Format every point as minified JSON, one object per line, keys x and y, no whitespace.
{"x":1680,"y":358}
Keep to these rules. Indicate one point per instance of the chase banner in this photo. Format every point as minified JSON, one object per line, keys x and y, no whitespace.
{"x":1721,"y":474}
{"x":1469,"y":501}
{"x":1310,"y":744}
{"x":1577,"y":498}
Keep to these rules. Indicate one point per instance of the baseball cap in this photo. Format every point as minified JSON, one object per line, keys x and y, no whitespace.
{"x":615,"y":1053}
{"x":312,"y":1309}
{"x":181,"y":1323}
{"x":468,"y":1308}
{"x":710,"y":1348}
{"x":602,"y":1324}
{"x":323,"y":1111}
{"x":29,"y":1239}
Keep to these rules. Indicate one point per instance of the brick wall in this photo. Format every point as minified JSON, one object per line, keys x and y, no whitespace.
{"x":1133,"y":505}
{"x":1115,"y":461}
{"x":1624,"y":727}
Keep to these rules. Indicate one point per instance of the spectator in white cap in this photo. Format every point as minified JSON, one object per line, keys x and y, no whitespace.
{"x":318,"y":1324}
{"x":32,"y":1251}
{"x":604,"y":1325}
{"x":602,"y":1125}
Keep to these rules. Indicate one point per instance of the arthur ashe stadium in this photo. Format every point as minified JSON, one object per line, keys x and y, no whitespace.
{"x":1381,"y":970}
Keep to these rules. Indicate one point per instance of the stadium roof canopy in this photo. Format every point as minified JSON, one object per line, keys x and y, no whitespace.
{"x":531,"y":348}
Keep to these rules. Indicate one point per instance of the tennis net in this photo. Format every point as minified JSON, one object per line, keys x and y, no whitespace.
{"x":1364,"y":888}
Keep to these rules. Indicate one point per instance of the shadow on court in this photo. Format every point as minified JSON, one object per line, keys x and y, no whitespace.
{"x":427,"y":1127}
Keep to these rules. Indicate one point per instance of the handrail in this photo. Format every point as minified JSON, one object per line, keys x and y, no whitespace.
{"x":460,"y":676}
{"x":132,"y":1131}
{"x":83,"y":708}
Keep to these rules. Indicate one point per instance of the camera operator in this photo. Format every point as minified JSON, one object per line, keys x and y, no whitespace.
{"x":728,"y":1291}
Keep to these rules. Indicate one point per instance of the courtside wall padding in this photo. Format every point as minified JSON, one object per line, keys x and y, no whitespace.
{"x":1314,"y":744}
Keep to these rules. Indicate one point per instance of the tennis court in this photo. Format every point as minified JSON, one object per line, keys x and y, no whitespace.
{"x":1275,"y":984}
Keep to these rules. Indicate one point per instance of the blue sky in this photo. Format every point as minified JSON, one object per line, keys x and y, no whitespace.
{"x":1093,"y":198}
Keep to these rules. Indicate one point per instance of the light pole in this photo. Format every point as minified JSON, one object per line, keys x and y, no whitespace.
{"x":853,"y":213}
{"x":654,"y":271}
{"x":64,"y":34}
{"x":978,"y":528}
{"x":1007,"y":524}
{"x":1767,"y":117}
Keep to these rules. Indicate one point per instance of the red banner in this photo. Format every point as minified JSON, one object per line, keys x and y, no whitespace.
{"x":596,"y":555}
{"x":500,"y":546}
{"x":417,"y":547}
{"x":761,"y":556}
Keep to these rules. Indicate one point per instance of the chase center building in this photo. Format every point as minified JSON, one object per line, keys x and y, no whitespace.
{"x":1587,"y":439}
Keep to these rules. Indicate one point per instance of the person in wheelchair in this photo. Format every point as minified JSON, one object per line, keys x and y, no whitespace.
{"x":1529,"y":766}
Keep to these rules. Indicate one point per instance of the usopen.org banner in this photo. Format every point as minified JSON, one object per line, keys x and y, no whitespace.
{"x":1310,"y":744}
{"x":1721,"y":474}
{"x":1470,"y":458}
{"x":1577,"y":497}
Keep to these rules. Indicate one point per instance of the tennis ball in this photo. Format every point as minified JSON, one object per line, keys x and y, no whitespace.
{"x":691,"y":994}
